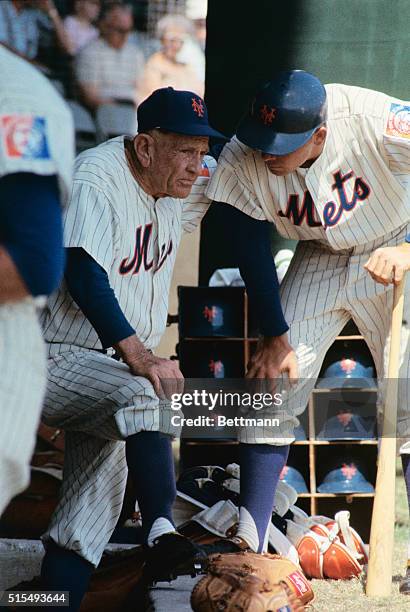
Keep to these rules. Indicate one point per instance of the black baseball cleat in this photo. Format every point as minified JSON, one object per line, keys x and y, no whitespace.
{"x":226,"y":545}
{"x":404,"y":587}
{"x":172,"y":555}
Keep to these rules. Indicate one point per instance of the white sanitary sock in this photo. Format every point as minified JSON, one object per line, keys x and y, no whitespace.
{"x":247,"y":529}
{"x":159,"y":527}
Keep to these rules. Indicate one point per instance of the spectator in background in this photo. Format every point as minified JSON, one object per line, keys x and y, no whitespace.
{"x":21,"y":22}
{"x":193,"y":50}
{"x":165,"y":68}
{"x":108,"y":68}
{"x":197,"y":10}
{"x":79,"y":24}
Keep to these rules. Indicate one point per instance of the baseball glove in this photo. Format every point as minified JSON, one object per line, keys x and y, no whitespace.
{"x":249,"y":582}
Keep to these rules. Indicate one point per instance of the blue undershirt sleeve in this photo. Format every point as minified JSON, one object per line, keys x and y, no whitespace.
{"x":90,"y":288}
{"x":31,"y":229}
{"x":252,"y":243}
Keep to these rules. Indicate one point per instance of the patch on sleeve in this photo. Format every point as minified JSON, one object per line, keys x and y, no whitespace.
{"x":398,"y":122}
{"x":205,"y":169}
{"x":24,"y":137}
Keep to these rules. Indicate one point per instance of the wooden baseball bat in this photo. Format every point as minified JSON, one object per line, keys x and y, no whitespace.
{"x":379,"y":575}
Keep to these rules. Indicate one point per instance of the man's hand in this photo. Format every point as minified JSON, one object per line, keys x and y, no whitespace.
{"x":164,"y":374}
{"x":388,"y":264}
{"x":273,"y":356}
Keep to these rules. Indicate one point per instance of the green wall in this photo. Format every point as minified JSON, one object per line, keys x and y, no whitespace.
{"x":360,"y":42}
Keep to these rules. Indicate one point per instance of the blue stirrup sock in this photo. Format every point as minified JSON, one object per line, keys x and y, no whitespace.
{"x":261,"y":465}
{"x":151,"y":466}
{"x":65,"y":570}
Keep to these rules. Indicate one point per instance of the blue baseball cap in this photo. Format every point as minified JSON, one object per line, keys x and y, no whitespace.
{"x":284,"y":113}
{"x":182,"y":112}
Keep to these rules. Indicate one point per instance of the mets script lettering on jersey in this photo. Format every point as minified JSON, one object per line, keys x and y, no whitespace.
{"x":361,"y":191}
{"x":297,"y":214}
{"x":332,"y":211}
{"x":142,"y":241}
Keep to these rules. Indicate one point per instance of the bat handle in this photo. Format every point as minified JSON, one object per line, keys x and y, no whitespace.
{"x":396,"y":324}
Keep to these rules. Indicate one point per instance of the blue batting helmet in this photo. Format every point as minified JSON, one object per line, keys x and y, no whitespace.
{"x":347,"y":476}
{"x":353,"y":369}
{"x":284,"y":113}
{"x":348,"y":426}
{"x":294,"y":478}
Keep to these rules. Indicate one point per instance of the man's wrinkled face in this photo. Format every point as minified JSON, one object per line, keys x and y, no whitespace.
{"x":177,"y":162}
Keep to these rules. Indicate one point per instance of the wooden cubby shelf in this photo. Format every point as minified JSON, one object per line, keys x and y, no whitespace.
{"x":311,"y":457}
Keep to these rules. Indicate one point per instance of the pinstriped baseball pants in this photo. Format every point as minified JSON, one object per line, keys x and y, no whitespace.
{"x":321,"y":291}
{"x":22,"y":387}
{"x":99,"y":403}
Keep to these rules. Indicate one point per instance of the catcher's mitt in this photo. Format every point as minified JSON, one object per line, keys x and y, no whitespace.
{"x":248,"y":582}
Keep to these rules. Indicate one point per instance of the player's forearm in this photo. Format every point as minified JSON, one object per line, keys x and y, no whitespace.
{"x":90,"y":288}
{"x":276,"y":342}
{"x":252,"y":243}
{"x":132,"y":351}
{"x":12,"y":286}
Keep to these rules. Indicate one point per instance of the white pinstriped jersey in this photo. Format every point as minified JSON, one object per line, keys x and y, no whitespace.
{"x":36,"y":126}
{"x":131,"y":235}
{"x":358,"y":190}
{"x":36,"y":136}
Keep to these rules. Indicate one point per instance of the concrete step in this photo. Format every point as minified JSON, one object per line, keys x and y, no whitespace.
{"x":21,"y":560}
{"x":173,"y":596}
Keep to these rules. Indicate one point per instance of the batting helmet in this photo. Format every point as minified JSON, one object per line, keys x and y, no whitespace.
{"x":348,"y":426}
{"x":294,"y":478}
{"x":284,"y":113}
{"x":347,"y":476}
{"x":353,"y":369}
{"x":210,"y":311}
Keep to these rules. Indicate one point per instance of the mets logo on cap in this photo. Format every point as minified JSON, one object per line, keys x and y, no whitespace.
{"x":24,"y":137}
{"x":198,"y":107}
{"x":267,"y":114}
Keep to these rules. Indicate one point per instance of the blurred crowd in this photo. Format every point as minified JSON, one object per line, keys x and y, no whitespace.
{"x":94,"y":54}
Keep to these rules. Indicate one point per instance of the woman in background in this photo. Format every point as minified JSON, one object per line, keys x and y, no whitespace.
{"x":79,"y":25}
{"x":166,"y":67}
